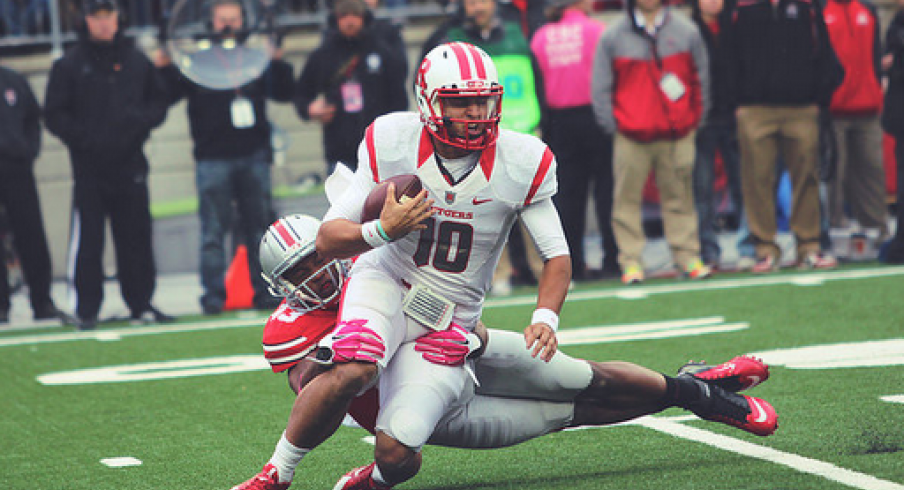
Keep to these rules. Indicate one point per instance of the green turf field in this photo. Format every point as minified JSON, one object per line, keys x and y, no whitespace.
{"x":841,"y":407}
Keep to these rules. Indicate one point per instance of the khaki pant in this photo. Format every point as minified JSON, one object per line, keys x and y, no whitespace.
{"x":763,"y":132}
{"x":860,"y":177}
{"x":673,"y":162}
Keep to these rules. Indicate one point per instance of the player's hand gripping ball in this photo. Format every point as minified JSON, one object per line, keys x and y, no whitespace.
{"x":407,"y":186}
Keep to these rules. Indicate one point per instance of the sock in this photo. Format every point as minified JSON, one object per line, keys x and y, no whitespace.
{"x":286,"y":457}
{"x":687,"y":392}
{"x":377,"y":476}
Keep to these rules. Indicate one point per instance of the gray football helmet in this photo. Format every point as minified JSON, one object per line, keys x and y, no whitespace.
{"x":292,"y":268}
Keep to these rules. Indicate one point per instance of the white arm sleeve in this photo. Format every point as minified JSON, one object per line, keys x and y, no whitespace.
{"x":542,"y":222}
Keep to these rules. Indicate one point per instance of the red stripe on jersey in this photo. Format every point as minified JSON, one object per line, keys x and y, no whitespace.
{"x":488,"y":159}
{"x":478,"y":62}
{"x":290,"y":334}
{"x":425,"y":148}
{"x":464,"y":66}
{"x":545,"y":163}
{"x":284,"y":235}
{"x":372,"y":151}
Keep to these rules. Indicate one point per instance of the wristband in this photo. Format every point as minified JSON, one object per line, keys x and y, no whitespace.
{"x":381,"y":231}
{"x":370,"y":231}
{"x":547,"y":316}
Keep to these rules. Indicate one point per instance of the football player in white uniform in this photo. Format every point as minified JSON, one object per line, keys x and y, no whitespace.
{"x":520,"y":396}
{"x":427,"y":264}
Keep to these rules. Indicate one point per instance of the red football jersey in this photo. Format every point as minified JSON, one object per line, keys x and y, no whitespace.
{"x":290,"y":335}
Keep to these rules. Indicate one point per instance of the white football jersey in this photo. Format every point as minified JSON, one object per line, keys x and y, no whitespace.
{"x":457,"y":254}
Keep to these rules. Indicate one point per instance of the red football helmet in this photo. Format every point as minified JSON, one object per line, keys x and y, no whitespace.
{"x":457,"y":71}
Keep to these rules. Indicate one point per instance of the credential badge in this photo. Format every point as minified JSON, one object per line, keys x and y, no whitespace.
{"x":792,"y":11}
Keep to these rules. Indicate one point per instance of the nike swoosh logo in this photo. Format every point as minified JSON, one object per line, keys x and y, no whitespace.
{"x":754,"y":380}
{"x":762,"y":416}
{"x":478,"y":202}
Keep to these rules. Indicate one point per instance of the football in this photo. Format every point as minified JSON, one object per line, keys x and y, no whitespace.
{"x":406,"y":186}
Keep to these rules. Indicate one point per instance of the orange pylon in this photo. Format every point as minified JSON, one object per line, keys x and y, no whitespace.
{"x":239,"y":293}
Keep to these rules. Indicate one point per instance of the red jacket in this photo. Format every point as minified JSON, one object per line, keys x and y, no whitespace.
{"x":627,"y":92}
{"x":854,"y":32}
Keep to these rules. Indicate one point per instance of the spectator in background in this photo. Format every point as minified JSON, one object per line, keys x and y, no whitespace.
{"x":781,"y":69}
{"x":20,"y":143}
{"x":564,"y":51}
{"x":354,"y":76}
{"x":233,"y":154}
{"x":481,"y":23}
{"x":651,"y":88}
{"x":859,"y":182}
{"x":22,"y":17}
{"x":385,"y":29}
{"x":718,"y":134}
{"x":103,"y":99}
{"x":893,"y":122}
{"x":529,"y":14}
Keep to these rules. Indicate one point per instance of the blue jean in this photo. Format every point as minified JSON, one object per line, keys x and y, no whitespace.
{"x":721,"y":136}
{"x":222,"y":183}
{"x":21,"y":18}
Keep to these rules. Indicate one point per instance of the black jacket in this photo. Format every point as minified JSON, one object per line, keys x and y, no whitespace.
{"x":720,"y":109}
{"x":368,"y":60}
{"x":102,"y":101}
{"x":209,"y":111}
{"x":382,"y":28}
{"x":20,"y":126}
{"x":780,"y":55}
{"x":893,"y":111}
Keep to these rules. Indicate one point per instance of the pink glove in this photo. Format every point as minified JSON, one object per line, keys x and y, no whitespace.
{"x":449,"y":347}
{"x":353,"y":341}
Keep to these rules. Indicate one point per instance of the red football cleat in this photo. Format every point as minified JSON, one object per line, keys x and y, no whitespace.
{"x":747,"y":413}
{"x":267,"y":479}
{"x":738,"y":374}
{"x":360,"y":479}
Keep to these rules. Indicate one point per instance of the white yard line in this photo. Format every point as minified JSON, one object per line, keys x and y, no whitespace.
{"x":599,"y":335}
{"x":119,"y":333}
{"x":800,"y":463}
{"x":893,"y":398}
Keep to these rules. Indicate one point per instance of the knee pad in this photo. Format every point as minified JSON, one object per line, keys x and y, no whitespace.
{"x":408,"y":426}
{"x":415,"y":395}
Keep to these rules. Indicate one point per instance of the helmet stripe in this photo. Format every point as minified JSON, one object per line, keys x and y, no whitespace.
{"x":478,"y":62}
{"x":283,"y":233}
{"x":463,"y":65}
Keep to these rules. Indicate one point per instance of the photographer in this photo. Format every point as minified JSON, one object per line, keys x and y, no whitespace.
{"x":233,"y":152}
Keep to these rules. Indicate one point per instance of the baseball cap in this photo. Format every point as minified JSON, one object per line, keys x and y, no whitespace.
{"x":94,"y":6}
